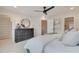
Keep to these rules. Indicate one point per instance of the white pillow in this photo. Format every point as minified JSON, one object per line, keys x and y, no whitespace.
{"x":71,"y":38}
{"x":65,"y":33}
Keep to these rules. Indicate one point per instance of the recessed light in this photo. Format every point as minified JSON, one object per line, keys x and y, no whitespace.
{"x":72,"y":8}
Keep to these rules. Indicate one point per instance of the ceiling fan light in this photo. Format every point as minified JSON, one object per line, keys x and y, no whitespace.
{"x":43,"y":18}
{"x":72,"y":8}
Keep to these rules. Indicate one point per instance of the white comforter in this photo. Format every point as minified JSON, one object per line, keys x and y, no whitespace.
{"x":36,"y":44}
{"x":58,"y":47}
{"x":48,"y":44}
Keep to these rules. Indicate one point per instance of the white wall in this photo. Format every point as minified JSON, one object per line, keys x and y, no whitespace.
{"x":35,"y":21}
{"x":37,"y":26}
{"x":50,"y":26}
{"x":15,"y":18}
{"x":76,"y":20}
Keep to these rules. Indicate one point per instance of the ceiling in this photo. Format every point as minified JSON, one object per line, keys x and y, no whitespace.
{"x":29,"y":10}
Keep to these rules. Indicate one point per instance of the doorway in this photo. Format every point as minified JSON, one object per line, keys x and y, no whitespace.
{"x":43,"y":27}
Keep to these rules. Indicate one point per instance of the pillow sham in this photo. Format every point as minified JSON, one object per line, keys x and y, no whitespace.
{"x":71,"y":38}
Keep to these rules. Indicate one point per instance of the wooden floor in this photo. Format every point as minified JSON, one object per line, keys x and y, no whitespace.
{"x":8,"y":46}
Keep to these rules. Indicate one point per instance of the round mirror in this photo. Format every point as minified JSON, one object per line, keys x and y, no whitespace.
{"x":25,"y":22}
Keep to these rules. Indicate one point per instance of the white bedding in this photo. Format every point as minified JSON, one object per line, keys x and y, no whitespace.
{"x":58,"y":47}
{"x":36,"y":44}
{"x":49,"y":44}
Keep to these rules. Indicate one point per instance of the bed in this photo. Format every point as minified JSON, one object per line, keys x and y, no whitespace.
{"x":54,"y":43}
{"x":35,"y":45}
{"x":58,"y":47}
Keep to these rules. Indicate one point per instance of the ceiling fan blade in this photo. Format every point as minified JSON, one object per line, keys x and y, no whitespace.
{"x":38,"y":11}
{"x":45,"y":12}
{"x":49,"y":8}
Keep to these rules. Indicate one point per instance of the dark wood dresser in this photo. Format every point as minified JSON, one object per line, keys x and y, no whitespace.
{"x":23,"y":34}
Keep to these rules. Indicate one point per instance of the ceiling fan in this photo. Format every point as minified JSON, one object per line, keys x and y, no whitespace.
{"x":45,"y":9}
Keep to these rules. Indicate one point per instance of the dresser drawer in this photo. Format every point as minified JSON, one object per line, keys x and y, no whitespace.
{"x":23,"y":34}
